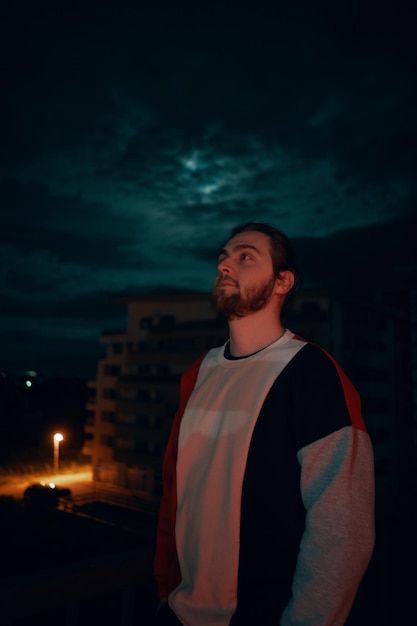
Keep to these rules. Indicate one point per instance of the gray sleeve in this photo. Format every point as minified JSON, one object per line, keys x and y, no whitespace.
{"x":337,"y":486}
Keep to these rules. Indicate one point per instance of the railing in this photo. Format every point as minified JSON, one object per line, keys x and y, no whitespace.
{"x":109,"y":509}
{"x":127,"y":501}
{"x":116,"y":590}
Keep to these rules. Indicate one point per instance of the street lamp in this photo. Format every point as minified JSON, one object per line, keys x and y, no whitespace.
{"x":57,"y":439}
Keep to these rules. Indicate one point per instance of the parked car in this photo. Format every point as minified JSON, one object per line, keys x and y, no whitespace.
{"x":44,"y":495}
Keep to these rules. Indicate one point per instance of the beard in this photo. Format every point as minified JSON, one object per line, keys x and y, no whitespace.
{"x":237,"y":304}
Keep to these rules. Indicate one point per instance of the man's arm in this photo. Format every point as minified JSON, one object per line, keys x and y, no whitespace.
{"x":166,"y":566}
{"x":166,"y":560}
{"x":337,"y":484}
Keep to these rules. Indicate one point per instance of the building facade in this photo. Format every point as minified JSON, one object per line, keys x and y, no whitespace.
{"x":136,"y":391}
{"x":135,"y":394}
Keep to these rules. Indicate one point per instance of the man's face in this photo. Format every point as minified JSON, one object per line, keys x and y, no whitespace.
{"x":245,"y":280}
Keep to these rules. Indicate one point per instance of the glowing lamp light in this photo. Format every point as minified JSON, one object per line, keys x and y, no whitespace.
{"x":57,"y":439}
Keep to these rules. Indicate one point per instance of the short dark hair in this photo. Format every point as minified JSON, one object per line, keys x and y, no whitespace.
{"x":282,"y":253}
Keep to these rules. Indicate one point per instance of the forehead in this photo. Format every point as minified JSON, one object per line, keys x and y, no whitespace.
{"x":250,"y":238}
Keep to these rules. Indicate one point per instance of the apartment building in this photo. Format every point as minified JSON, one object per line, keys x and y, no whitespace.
{"x":135,"y":394}
{"x":136,"y":391}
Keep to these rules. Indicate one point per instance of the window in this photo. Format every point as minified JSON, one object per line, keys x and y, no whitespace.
{"x":145,"y":323}
{"x":158,"y":370}
{"x":181,"y":343}
{"x":156,"y":344}
{"x":109,"y":393}
{"x":108,"y":416}
{"x":126,"y":418}
{"x":133,"y":347}
{"x":143,"y":395}
{"x":142,"y":421}
{"x":92,"y":392}
{"x":107,"y":440}
{"x":154,"y":421}
{"x":111,"y":370}
{"x":154,"y":395}
{"x":125,"y":444}
{"x":167,"y":320}
{"x":128,"y":393}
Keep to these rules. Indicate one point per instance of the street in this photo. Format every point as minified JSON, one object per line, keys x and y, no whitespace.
{"x":80,"y":482}
{"x":83,"y":489}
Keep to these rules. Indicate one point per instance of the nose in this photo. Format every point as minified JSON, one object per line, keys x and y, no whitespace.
{"x":224,"y":266}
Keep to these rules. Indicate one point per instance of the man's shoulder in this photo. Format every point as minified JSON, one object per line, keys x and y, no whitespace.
{"x":312,"y":357}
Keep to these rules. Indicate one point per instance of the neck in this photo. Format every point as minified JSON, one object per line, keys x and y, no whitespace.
{"x":253,"y":332}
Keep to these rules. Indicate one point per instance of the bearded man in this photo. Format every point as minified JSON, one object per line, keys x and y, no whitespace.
{"x":267,"y":515}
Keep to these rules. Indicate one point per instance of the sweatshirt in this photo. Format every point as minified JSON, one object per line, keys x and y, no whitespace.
{"x":267,"y":515}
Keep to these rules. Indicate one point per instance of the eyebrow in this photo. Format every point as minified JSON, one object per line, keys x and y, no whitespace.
{"x":240,"y":246}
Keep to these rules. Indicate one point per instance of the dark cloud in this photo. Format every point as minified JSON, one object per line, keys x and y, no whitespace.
{"x":58,"y":337}
{"x":363,"y":262}
{"x":134,"y":138}
{"x":31,"y":350}
{"x":68,"y":228}
{"x":96,"y":307}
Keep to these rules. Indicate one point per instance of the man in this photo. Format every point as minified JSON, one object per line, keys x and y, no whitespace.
{"x":267,"y":515}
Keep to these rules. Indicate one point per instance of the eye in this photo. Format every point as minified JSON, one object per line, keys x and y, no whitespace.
{"x":245,"y":256}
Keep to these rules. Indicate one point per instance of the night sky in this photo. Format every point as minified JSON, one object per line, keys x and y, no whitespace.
{"x":133,"y":140}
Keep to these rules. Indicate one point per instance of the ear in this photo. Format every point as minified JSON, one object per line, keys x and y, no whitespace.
{"x":284,"y":282}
